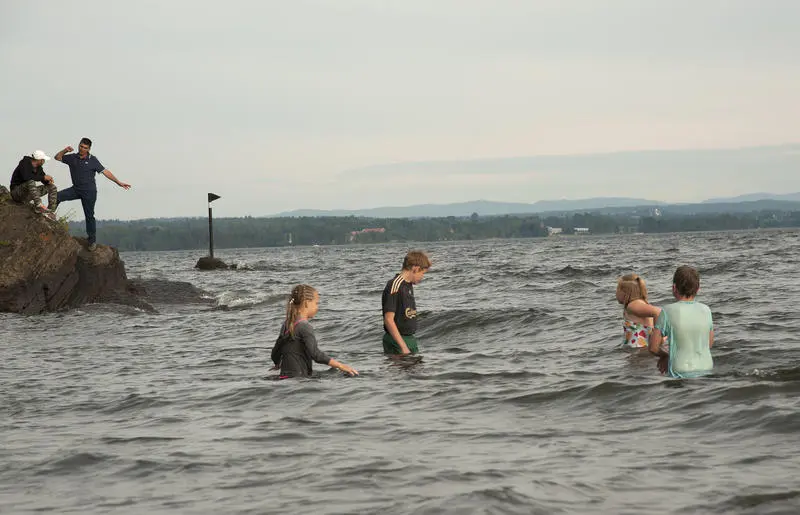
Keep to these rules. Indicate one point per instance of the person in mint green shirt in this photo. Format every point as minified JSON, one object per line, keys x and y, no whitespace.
{"x":689,"y":327}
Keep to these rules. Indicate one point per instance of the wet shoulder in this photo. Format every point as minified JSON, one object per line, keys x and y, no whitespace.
{"x":303,"y":328}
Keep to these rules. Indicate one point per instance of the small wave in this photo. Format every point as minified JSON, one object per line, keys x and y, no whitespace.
{"x":112,"y":440}
{"x":774,"y":502}
{"x":211,"y":363}
{"x":591,"y":271}
{"x":620,"y":392}
{"x":576,"y":285}
{"x":285,"y":436}
{"x":457,"y":321}
{"x":765,"y":327}
{"x":779,"y":374}
{"x":119,"y":308}
{"x":133,"y":401}
{"x":300,"y":421}
{"x":72,"y":463}
{"x":466,"y":376}
{"x":241,"y":395}
{"x":141,"y":468}
{"x":721,"y":268}
{"x":504,"y":499}
{"x":267,"y":266}
{"x":242,"y":300}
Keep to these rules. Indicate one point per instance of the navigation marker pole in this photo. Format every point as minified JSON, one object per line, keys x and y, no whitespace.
{"x":211,"y":198}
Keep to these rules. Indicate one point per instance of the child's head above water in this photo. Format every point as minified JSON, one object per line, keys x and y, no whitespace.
{"x":305,"y":299}
{"x":415,"y":265}
{"x":686,"y":281}
{"x":631,"y":287}
{"x":416,"y":258}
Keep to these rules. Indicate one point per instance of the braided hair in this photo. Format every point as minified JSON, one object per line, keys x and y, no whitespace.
{"x":301,"y":294}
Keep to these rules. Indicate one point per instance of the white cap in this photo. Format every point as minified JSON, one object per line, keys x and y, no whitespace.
{"x":39,"y":154}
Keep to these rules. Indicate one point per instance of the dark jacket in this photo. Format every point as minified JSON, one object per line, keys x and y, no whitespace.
{"x":295,"y":353}
{"x":25,"y":171}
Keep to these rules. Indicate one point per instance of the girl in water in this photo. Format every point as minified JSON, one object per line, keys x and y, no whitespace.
{"x":637,"y":315}
{"x":296,"y":346}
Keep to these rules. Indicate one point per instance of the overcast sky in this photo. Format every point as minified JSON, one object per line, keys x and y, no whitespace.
{"x":282,"y":105}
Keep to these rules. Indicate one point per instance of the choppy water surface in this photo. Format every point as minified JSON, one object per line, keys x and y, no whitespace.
{"x":522,"y":401}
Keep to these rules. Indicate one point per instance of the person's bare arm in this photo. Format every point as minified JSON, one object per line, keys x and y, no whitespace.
{"x":347,"y":369}
{"x":642,"y":309}
{"x":110,"y":176}
{"x":60,"y":155}
{"x":654,"y":342}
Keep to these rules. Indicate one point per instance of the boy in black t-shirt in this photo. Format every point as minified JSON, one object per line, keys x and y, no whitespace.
{"x":399,"y":306}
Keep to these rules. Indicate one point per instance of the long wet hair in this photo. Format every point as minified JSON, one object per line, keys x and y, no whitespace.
{"x":632,"y":287}
{"x":301,"y":294}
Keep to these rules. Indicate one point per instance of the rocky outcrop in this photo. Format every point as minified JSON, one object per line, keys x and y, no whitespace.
{"x":43,"y":268}
{"x":211,"y":263}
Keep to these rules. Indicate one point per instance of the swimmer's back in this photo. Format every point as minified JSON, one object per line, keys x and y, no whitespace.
{"x":688,"y":325}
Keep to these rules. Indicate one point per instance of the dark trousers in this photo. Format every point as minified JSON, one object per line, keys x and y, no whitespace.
{"x":88,"y":199}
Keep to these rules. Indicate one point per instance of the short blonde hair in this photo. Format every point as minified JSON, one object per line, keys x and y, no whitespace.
{"x":632,"y":287}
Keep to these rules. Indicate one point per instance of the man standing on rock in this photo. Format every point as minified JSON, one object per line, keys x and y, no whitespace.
{"x":28,"y":172}
{"x":82,"y":168}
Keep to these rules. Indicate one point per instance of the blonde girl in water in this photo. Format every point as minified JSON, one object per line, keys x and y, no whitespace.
{"x":296,"y":346}
{"x":637,"y":315}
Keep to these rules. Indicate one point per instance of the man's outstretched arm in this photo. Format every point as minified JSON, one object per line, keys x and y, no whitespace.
{"x":110,"y":176}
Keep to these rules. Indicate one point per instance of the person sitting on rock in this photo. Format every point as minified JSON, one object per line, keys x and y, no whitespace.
{"x":28,"y":172}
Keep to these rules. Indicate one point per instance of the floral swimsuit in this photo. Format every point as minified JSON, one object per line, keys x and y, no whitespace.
{"x":636,"y":334}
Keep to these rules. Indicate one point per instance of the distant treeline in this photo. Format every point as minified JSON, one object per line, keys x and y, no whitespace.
{"x":192,"y":233}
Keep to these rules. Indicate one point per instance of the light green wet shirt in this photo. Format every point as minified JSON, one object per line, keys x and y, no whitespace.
{"x":687,"y":325}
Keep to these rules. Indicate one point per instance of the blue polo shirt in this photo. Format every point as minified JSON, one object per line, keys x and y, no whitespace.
{"x":83,"y":170}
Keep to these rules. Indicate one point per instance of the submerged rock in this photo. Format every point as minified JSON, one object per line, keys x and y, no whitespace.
{"x":43,"y":268}
{"x":211,"y":263}
{"x":158,"y":291}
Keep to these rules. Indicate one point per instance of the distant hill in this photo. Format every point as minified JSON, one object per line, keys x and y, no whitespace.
{"x":795,"y":197}
{"x":732,"y":207}
{"x":770,"y":167}
{"x":742,"y":203}
{"x":481,"y":207}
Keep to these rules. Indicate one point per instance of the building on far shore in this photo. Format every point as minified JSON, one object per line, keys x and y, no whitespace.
{"x":354,"y":234}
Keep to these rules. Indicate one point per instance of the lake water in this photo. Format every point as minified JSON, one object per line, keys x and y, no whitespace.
{"x":522,"y":400}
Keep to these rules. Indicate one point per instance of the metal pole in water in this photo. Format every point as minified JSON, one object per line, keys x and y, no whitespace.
{"x":210,"y":235}
{"x":211,"y":198}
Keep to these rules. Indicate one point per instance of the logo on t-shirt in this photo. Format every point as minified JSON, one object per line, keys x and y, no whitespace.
{"x":411,"y":313}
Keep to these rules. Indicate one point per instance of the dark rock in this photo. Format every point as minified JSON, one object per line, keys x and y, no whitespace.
{"x":158,"y":291}
{"x":209,"y":263}
{"x":43,"y":268}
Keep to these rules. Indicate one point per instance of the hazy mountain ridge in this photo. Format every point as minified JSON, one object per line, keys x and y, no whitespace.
{"x":793,"y":197}
{"x":755,"y":168}
{"x":747,"y":202}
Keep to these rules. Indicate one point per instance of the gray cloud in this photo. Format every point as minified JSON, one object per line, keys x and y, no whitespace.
{"x":266,"y":103}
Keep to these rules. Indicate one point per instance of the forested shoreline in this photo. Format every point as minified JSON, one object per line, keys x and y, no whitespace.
{"x":250,"y":232}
